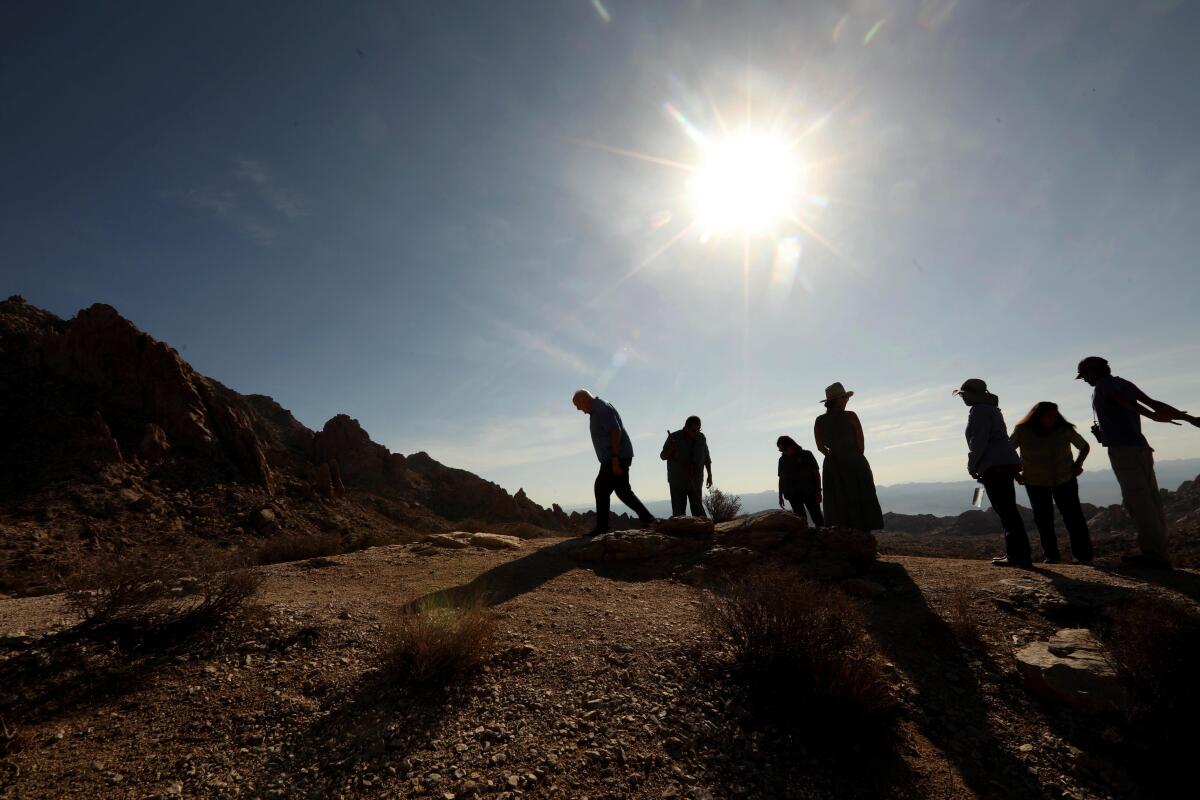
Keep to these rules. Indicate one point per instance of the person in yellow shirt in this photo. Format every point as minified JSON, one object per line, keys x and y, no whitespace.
{"x":1049,"y":472}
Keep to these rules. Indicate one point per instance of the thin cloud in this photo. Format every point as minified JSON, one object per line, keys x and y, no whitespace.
{"x":285,"y":202}
{"x":224,"y":206}
{"x":250,"y":201}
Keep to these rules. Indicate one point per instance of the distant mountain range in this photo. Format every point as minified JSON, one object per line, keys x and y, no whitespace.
{"x":1098,"y":487}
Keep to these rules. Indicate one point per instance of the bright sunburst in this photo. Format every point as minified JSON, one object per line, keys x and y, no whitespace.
{"x":748,"y":182}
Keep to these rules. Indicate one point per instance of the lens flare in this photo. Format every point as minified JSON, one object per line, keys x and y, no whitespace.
{"x":748,"y":182}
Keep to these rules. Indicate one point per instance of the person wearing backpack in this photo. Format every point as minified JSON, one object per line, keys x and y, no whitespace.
{"x":686,"y":454}
{"x":799,"y":480}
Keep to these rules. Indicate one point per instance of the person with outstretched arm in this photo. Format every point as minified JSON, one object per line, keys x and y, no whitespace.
{"x":1119,"y":406}
{"x":615,"y":452}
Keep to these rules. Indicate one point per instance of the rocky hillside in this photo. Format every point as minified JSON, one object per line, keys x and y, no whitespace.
{"x":112,"y":442}
{"x":976,"y":533}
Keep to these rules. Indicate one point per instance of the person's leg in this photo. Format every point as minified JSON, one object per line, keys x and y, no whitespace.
{"x":1002,"y":494}
{"x":814,"y":511}
{"x":1066,"y":497}
{"x":1041,"y":500}
{"x":625,"y":495}
{"x":679,"y":496}
{"x":604,"y":487}
{"x":696,"y":497}
{"x":1134,"y":468}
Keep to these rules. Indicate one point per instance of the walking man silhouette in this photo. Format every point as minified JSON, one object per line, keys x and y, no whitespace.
{"x":615,"y":452}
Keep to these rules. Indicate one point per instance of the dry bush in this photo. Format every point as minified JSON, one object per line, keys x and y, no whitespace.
{"x":147,"y":592}
{"x":1156,"y":642}
{"x":437,"y":642}
{"x":11,"y":741}
{"x":722,"y":507}
{"x":802,"y":650}
{"x":961,"y":616}
{"x":298,"y":547}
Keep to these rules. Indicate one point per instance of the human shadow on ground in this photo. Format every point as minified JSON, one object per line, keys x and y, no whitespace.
{"x":1185,"y":582}
{"x":360,"y":741}
{"x":519,"y":576}
{"x":950,"y":707}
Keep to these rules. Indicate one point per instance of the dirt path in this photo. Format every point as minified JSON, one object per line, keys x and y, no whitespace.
{"x":605,"y":686}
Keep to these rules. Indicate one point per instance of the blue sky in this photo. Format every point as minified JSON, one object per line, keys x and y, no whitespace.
{"x":424,"y":214}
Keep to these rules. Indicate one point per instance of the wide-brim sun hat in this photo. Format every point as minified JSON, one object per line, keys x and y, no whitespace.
{"x":835,"y":391}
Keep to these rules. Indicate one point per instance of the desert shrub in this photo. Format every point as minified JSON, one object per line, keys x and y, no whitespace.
{"x":11,"y":741}
{"x":147,"y":592}
{"x":722,"y":507}
{"x":1156,"y":642}
{"x":437,"y":642}
{"x":801,"y":650}
{"x":298,"y":547}
{"x":961,"y":616}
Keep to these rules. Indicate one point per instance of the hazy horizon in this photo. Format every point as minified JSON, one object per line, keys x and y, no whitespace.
{"x":443,"y":219}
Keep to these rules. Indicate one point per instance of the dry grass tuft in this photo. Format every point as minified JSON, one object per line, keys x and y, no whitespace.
{"x":11,"y":741}
{"x":802,"y":650}
{"x":142,"y":593}
{"x":961,"y":616}
{"x":437,"y":642}
{"x":722,"y":507}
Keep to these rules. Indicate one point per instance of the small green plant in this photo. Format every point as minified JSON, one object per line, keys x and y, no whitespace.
{"x":722,"y":507}
{"x":437,"y":642}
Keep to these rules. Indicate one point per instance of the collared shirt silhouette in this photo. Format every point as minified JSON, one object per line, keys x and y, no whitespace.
{"x":1119,"y":406}
{"x":614,"y":450}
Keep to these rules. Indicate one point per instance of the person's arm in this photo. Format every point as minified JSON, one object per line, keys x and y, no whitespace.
{"x":781,"y":491}
{"x":668,"y":448}
{"x":1158,"y":410}
{"x":858,"y":432}
{"x":614,"y":438}
{"x":1081,"y":444}
{"x":821,"y":446}
{"x":977,"y":437}
{"x":707,"y":460}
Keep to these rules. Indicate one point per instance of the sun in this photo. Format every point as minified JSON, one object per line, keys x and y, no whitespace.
{"x":748,"y":182}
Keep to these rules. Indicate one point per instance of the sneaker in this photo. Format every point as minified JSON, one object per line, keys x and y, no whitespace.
{"x":1005,"y":561}
{"x":1143,"y":560}
{"x":648,"y":524}
{"x":595,"y":532}
{"x":1087,"y":562}
{"x":1051,"y":560}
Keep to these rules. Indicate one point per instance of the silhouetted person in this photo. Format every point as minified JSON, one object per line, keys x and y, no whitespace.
{"x":850,"y":499}
{"x":615,"y":451}
{"x":687,"y":457}
{"x":1119,"y":407}
{"x":1049,"y":471}
{"x":994,"y":463}
{"x":799,"y":479}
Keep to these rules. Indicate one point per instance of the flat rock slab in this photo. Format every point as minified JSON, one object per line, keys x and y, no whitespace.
{"x":635,"y":546}
{"x":496,"y":541}
{"x":686,"y":526}
{"x":1072,"y":668}
{"x":456,"y":541}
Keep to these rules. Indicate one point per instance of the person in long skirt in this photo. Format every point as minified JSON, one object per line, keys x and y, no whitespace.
{"x":849,"y":485}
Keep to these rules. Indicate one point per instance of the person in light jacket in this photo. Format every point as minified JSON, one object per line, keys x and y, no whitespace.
{"x":1049,"y":472}
{"x":994,"y":462}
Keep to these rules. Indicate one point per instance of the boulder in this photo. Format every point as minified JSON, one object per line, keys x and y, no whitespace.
{"x":495,"y":541}
{"x":624,"y":546}
{"x":264,"y":521}
{"x":686,"y":526}
{"x":1074,"y":669}
{"x":154,"y":445}
{"x":762,"y":531}
{"x":455,"y":541}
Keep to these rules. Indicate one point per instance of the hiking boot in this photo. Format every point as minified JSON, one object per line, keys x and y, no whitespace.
{"x":1143,"y":560}
{"x":595,"y":532}
{"x":1005,"y":561}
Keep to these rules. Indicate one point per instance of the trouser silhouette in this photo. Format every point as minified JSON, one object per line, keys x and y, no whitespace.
{"x":608,"y":482}
{"x":1134,"y":468}
{"x":690,"y":492}
{"x":801,"y":502}
{"x":1001,"y":490}
{"x":1043,"y":499}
